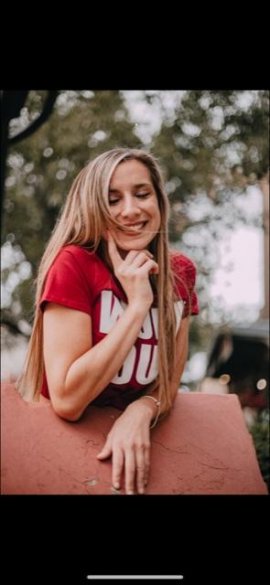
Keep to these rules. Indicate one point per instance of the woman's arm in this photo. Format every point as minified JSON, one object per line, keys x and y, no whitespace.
{"x":77,"y":372}
{"x":129,"y":439}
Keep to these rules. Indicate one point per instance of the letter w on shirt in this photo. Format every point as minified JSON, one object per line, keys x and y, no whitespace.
{"x":112,"y":309}
{"x":147,"y":363}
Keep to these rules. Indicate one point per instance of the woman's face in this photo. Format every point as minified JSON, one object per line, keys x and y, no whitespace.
{"x":133,"y":203}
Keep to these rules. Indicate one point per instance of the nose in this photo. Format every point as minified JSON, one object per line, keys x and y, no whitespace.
{"x":130,"y":207}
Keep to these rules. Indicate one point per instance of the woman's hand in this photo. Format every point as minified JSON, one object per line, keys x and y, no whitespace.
{"x":133,"y":272}
{"x":129,"y":444}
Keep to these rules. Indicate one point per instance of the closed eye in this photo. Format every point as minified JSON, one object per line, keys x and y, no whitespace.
{"x":113,"y":201}
{"x":142,"y":195}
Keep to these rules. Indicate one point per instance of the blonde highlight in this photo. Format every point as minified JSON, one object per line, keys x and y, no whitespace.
{"x":85,"y":216}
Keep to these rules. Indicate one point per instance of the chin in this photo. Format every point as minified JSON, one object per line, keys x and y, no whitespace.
{"x":133,"y":244}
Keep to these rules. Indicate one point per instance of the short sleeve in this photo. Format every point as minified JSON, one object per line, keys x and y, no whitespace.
{"x":184,"y":271}
{"x":66,"y":284}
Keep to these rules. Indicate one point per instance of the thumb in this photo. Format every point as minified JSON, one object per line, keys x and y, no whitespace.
{"x":106,"y":451}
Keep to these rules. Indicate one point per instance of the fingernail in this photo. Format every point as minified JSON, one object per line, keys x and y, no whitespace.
{"x":130,"y":493}
{"x":116,"y":486}
{"x":141,"y":491}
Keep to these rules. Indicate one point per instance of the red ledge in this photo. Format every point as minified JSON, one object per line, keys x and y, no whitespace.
{"x":202,"y":447}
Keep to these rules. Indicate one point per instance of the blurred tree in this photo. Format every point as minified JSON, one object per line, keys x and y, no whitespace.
{"x":213,"y":145}
{"x":40,"y":170}
{"x":216,"y":143}
{"x":12,"y":102}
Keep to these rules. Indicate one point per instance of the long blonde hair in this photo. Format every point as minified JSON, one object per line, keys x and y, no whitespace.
{"x":82,"y":222}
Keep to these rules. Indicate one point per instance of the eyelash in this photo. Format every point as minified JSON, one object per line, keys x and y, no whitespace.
{"x":140,"y":195}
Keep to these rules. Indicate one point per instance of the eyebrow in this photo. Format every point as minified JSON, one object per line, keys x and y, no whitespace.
{"x":136,"y":186}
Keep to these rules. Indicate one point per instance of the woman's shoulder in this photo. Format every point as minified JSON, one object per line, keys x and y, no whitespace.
{"x":73,"y":259}
{"x":180,"y":262}
{"x":184,"y":271}
{"x":76,"y":253}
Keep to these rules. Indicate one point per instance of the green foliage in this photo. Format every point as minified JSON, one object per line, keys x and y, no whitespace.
{"x":210,"y":144}
{"x":212,"y":148}
{"x":216,"y":140}
{"x":260,"y":435}
{"x":41,"y":168}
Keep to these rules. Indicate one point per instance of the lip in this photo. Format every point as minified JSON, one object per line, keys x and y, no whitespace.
{"x":135,"y":227}
{"x":138,"y":223}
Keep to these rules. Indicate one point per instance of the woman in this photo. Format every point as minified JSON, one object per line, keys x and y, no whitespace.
{"x":109,"y":293}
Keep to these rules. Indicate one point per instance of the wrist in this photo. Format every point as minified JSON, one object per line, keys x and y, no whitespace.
{"x":139,"y":308}
{"x":152,"y":403}
{"x":143,"y":406}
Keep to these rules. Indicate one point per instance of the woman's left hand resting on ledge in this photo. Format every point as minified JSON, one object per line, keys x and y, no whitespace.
{"x":129,"y":444}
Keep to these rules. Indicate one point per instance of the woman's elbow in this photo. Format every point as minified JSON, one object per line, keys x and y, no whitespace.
{"x":66,"y":411}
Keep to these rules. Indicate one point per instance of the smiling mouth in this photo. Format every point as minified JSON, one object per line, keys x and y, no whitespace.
{"x":134,"y":228}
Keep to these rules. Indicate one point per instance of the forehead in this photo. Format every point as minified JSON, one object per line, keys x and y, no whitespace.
{"x":130,"y":172}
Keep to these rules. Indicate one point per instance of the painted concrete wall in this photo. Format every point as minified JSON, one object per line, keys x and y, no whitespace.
{"x":202,"y":447}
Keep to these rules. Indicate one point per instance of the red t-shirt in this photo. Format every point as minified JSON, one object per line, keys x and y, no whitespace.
{"x":79,"y":279}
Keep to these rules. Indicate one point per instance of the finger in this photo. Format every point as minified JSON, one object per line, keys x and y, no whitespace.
{"x":106,"y":451}
{"x":140,"y":470}
{"x":130,"y":257}
{"x":146,"y":464}
{"x":130,"y":469}
{"x":149,"y":267}
{"x":117,"y":468}
{"x":135,"y":253}
{"x":140,"y":259}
